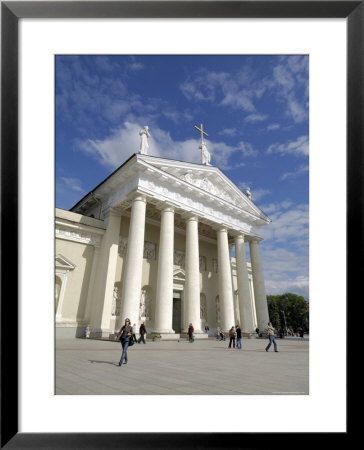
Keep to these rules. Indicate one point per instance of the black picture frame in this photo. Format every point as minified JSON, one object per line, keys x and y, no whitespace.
{"x":11,"y":12}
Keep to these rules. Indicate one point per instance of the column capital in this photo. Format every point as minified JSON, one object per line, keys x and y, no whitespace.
{"x":189,"y":217}
{"x":255,"y":241}
{"x":240,"y":236}
{"x":138,"y":197}
{"x":222,"y":228}
{"x":167,"y":207}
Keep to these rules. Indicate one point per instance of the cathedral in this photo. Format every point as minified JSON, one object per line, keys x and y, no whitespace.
{"x":154,"y":242}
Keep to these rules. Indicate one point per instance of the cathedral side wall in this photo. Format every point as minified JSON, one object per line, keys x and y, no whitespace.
{"x":77,"y":280}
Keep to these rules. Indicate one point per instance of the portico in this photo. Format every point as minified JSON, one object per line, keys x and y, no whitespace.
{"x":165,"y":256}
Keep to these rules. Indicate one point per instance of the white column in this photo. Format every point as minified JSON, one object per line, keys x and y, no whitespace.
{"x":91,"y":285}
{"x":164,"y":293}
{"x":261,"y":304}
{"x":130,"y":297}
{"x":106,"y":280}
{"x":225,"y":281}
{"x":246,"y":315}
{"x":192,"y":281}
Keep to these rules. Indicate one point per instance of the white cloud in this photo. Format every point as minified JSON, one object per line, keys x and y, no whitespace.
{"x":283,"y":77}
{"x":276,"y":207}
{"x":257,"y":194}
{"x":72,"y":183}
{"x":285,"y":248}
{"x":247,"y":149}
{"x":273,"y":126}
{"x":253,"y":118}
{"x":288,"y":224}
{"x":287,"y":81}
{"x":238,"y":100}
{"x":299,"y":171}
{"x":296,"y":110}
{"x":219,"y":87}
{"x":290,"y":82}
{"x":229,"y":132}
{"x":299,"y":147}
{"x":123,"y":142}
{"x":282,"y":283}
{"x":135,"y":66}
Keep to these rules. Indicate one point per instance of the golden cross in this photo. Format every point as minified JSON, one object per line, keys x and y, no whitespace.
{"x":202,"y":132}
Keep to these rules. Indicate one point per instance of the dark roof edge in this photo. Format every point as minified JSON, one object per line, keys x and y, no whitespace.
{"x":102,"y":182}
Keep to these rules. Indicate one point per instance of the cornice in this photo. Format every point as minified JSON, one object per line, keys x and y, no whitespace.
{"x":78,"y":233}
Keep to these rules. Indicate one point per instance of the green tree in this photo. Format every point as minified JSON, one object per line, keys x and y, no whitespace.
{"x":292,"y":307}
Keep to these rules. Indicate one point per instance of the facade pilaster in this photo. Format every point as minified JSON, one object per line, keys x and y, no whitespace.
{"x":91,"y":285}
{"x":225,"y":280}
{"x":192,"y":281}
{"x":106,"y":269}
{"x":246,"y":316}
{"x":164,"y":293}
{"x":261,"y":304}
{"x":131,"y":290}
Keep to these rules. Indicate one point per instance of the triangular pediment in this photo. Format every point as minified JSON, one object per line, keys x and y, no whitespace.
{"x":63,"y":263}
{"x":179,"y":275}
{"x":209,"y":179}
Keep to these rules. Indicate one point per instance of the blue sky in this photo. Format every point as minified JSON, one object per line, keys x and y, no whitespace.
{"x":254,"y":109}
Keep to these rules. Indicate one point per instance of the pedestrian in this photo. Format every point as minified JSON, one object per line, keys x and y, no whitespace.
{"x":207,"y":328}
{"x":257,"y":331}
{"x":190,"y":333}
{"x":301,"y":332}
{"x":232,"y":335}
{"x":270,"y":331}
{"x":238,"y":337}
{"x":218,"y":333}
{"x":142,"y":332}
{"x":125,"y":333}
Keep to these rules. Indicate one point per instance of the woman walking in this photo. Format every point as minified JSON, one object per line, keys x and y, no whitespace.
{"x":125,"y":333}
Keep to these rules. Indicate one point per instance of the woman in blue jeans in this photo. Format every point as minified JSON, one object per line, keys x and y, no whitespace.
{"x":124,"y":335}
{"x":270,"y":332}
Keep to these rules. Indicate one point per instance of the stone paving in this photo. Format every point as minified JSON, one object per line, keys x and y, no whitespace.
{"x":205,"y":367}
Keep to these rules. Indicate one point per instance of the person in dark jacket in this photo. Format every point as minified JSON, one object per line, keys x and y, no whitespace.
{"x":142,"y":332}
{"x":232,"y":335}
{"x":125,"y":333}
{"x":238,"y":337}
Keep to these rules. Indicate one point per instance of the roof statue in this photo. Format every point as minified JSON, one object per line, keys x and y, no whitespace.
{"x":144,"y":135}
{"x":205,"y":154}
{"x":248,"y":193}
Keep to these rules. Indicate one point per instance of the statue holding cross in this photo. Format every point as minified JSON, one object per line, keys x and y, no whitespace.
{"x":205,"y":154}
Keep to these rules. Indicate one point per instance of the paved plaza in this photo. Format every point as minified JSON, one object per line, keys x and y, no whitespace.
{"x":206,"y":367}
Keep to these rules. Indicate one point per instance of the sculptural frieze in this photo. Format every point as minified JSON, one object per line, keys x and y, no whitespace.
{"x":179,"y":258}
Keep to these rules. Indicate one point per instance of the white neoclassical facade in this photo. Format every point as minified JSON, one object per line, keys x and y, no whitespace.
{"x":153,"y":242}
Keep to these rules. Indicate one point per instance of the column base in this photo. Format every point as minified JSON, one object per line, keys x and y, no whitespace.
{"x":249,"y":335}
{"x":101,"y":334}
{"x":164,"y":336}
{"x":197,"y":336}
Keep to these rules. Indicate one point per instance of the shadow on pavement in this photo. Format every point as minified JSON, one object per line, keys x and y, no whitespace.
{"x":102,"y":362}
